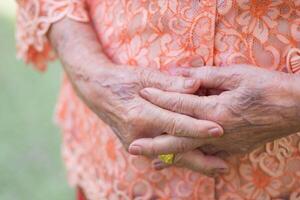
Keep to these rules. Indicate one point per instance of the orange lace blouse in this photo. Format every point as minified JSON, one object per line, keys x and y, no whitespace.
{"x":158,"y":34}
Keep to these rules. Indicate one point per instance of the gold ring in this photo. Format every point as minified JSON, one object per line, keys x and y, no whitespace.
{"x":167,"y":158}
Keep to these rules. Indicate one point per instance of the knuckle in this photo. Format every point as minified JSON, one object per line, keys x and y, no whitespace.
{"x":131,"y":119}
{"x":153,"y":149}
{"x":134,"y":122}
{"x":133,"y":115}
{"x":178,"y":128}
{"x":201,"y":109}
{"x":180,"y":104}
{"x":181,"y":146}
{"x":176,"y":104}
{"x":171,"y":126}
{"x":169,"y":83}
{"x":247,"y":98}
{"x":220,"y":113}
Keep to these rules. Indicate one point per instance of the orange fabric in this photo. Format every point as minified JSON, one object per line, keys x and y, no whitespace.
{"x":34,"y":18}
{"x":165,"y":33}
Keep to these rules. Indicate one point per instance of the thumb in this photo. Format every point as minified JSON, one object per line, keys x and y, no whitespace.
{"x":159,"y":80}
{"x":221,"y":78}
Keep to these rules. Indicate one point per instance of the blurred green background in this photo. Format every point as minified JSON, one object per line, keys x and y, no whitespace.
{"x":30,"y":159}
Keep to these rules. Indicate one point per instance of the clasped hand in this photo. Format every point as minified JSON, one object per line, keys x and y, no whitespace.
{"x":253,"y":105}
{"x":250,"y":106}
{"x":111,"y":91}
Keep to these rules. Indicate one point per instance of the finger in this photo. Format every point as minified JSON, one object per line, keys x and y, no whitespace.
{"x":183,"y":126}
{"x":153,"y":121}
{"x":195,"y":160}
{"x":224,"y":78}
{"x":192,"y":105}
{"x":162,"y":144}
{"x":166,"y":82}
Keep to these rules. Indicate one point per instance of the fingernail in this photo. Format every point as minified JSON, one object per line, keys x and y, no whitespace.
{"x":135,"y":150}
{"x":189,"y":83}
{"x":215,"y":132}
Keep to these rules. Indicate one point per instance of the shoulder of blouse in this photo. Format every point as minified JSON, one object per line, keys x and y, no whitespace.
{"x":34,"y":18}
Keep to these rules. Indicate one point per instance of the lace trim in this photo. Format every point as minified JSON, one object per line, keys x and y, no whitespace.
{"x":34,"y":18}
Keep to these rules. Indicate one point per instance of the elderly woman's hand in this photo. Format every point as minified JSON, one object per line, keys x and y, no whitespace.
{"x":113,"y":94}
{"x":255,"y":107}
{"x":112,"y":91}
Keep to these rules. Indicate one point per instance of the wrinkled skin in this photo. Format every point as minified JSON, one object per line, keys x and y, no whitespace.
{"x":112,"y":92}
{"x":253,"y":105}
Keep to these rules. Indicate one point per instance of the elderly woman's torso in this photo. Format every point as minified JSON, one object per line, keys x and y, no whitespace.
{"x":191,"y":33}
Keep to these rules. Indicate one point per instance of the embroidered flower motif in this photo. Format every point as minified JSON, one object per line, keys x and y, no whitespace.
{"x":259,"y":185}
{"x":289,"y":7}
{"x":272,"y":157}
{"x":231,"y":196}
{"x":224,"y":6}
{"x":162,"y":33}
{"x":135,"y":54}
{"x":258,"y":17}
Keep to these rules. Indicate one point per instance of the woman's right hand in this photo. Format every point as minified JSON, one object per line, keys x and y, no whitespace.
{"x":112,"y":91}
{"x":113,"y":94}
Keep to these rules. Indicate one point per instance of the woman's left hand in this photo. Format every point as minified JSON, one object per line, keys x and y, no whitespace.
{"x":255,"y":106}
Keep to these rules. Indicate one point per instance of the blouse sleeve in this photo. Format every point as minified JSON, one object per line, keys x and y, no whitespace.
{"x":34,"y":18}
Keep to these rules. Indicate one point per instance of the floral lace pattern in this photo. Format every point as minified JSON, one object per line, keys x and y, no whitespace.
{"x":160,"y":34}
{"x":33,"y":21}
